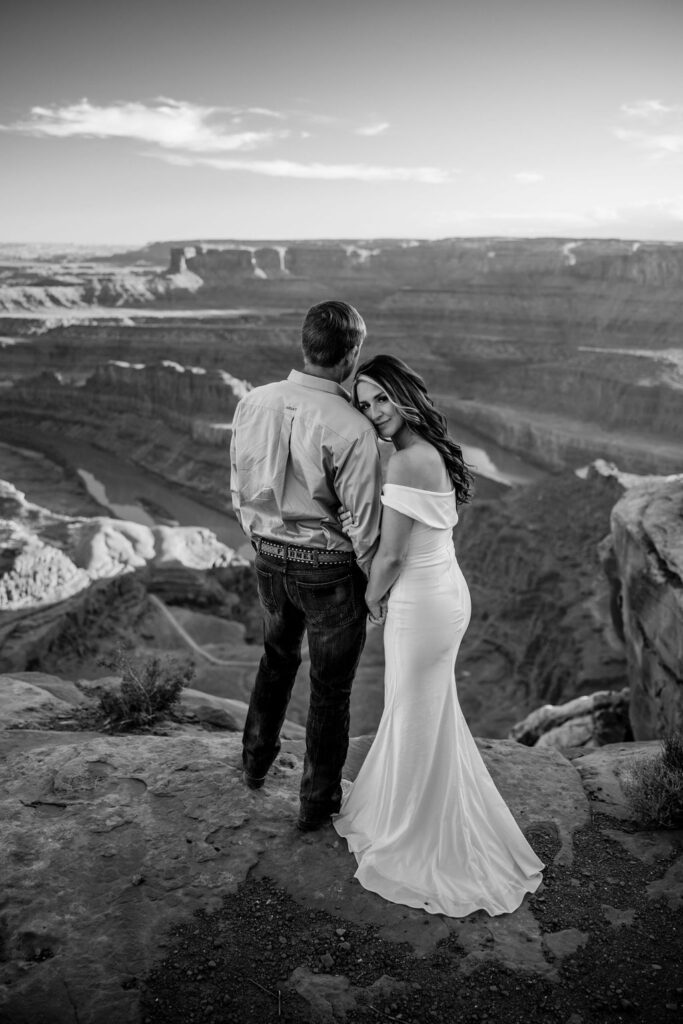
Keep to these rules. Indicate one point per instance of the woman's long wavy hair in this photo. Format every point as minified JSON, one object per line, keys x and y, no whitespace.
{"x":408,"y":393}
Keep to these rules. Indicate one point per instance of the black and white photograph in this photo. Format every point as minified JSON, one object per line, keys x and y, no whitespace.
{"x":341,"y":512}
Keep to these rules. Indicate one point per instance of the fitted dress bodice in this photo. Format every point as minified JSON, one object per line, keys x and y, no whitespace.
{"x":434,"y":516}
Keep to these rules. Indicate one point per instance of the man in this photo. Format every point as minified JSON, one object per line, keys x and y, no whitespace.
{"x":300,"y":451}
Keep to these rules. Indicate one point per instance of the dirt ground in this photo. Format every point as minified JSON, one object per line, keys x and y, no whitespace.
{"x":246,"y":962}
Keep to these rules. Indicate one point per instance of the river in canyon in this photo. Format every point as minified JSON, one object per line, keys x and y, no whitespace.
{"x":129,"y":492}
{"x":126,"y":491}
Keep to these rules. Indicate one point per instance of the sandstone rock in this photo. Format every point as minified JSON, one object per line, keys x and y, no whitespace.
{"x":331,"y":997}
{"x":566,"y":942}
{"x":601,"y":770}
{"x":35,"y":574}
{"x":63,"y":689}
{"x":514,"y":940}
{"x":23,"y":705}
{"x":71,"y":551}
{"x":670,"y":886}
{"x":647,"y":530}
{"x":555,"y":784}
{"x":618,"y":918}
{"x":111,"y":841}
{"x":648,"y":847}
{"x":588,"y":721}
{"x":69,"y":585}
{"x":92,"y":816}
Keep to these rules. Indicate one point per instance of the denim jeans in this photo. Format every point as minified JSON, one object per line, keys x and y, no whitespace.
{"x":326,"y":602}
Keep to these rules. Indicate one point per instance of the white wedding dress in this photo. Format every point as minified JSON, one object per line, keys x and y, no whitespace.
{"x":424,"y":819}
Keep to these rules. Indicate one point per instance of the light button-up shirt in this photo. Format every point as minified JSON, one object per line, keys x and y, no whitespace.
{"x":299,"y":451}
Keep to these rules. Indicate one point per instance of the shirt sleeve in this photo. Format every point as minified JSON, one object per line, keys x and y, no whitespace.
{"x":234,"y":478}
{"x":358,"y":484}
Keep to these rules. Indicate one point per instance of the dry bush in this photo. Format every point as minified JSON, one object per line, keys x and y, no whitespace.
{"x":150,"y":687}
{"x":654,"y":786}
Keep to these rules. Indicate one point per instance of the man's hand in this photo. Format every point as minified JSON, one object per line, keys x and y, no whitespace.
{"x":346,"y":519}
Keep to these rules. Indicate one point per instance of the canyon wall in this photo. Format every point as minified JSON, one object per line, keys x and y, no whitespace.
{"x":540,"y":631}
{"x":583,"y":339}
{"x":172,"y":420}
{"x":646,"y":565}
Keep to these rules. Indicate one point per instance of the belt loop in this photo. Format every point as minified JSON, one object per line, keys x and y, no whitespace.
{"x":316,"y":559}
{"x":259,"y":542}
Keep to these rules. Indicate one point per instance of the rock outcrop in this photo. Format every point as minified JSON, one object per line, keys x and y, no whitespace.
{"x":72,"y":587}
{"x":647,"y":567}
{"x":122,"y":288}
{"x":590,"y":721}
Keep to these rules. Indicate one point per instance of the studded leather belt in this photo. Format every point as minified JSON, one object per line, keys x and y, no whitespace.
{"x":298,"y":553}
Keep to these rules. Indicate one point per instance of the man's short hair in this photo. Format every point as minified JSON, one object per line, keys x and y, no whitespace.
{"x":331,"y":329}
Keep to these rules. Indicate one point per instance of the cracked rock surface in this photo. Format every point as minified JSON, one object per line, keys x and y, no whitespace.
{"x":143,"y":882}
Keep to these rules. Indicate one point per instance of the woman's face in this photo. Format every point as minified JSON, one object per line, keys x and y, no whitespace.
{"x":374,"y":402}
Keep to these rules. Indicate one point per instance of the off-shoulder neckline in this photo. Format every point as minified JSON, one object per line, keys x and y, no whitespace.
{"x":422,"y":490}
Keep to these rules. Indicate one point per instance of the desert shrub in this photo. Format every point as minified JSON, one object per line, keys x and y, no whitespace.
{"x":654,"y":785}
{"x":150,"y":687}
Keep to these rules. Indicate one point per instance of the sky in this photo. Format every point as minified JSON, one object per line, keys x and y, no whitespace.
{"x":154,"y":120}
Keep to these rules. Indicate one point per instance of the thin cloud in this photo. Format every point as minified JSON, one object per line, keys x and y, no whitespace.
{"x":660,"y":131}
{"x":652,"y":219}
{"x":528,"y":177}
{"x":373,"y":129}
{"x":661,"y":144}
{"x":168,"y":123}
{"x":646,"y":109}
{"x":322,"y":172}
{"x":265,"y":112}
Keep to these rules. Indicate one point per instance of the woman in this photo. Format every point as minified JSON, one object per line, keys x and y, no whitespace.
{"x":426,"y":823}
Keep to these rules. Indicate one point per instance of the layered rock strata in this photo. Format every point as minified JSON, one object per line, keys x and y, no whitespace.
{"x":170,"y":419}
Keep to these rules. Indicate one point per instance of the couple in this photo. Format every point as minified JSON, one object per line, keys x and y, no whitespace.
{"x":423,"y":817}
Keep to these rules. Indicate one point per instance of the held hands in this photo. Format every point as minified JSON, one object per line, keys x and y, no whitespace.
{"x":377,"y":611}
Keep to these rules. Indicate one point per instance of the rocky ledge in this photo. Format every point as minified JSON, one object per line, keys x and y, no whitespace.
{"x":114,"y":845}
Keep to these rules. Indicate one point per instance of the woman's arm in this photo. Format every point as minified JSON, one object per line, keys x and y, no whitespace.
{"x":389,"y":557}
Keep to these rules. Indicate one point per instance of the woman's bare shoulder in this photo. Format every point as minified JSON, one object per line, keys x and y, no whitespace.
{"x":418,"y":466}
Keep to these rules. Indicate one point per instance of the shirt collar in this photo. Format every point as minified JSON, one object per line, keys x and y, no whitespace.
{"x":308,"y":380}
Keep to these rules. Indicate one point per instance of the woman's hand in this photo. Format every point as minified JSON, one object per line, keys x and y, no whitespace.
{"x":346,"y":519}
{"x":377,"y":611}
